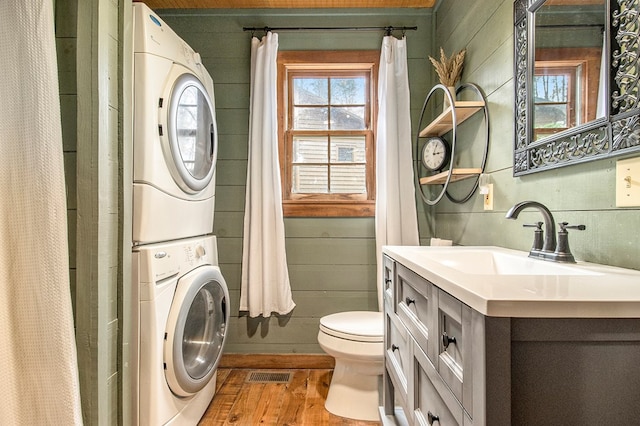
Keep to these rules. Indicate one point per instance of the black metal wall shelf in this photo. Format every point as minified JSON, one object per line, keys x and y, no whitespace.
{"x":444,"y":123}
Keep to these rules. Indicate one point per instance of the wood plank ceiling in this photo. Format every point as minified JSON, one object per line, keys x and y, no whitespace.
{"x":286,"y":4}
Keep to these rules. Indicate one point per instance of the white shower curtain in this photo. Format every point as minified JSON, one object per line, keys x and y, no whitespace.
{"x":38,"y":363}
{"x":396,"y":217}
{"x":265,"y":287}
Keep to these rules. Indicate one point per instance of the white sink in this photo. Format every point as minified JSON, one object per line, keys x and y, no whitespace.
{"x":501,"y":282}
{"x":489,"y":261}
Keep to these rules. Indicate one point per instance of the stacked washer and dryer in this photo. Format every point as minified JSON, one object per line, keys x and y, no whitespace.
{"x":179,"y":293}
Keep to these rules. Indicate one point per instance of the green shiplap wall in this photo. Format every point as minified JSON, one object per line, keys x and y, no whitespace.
{"x":579,"y":194}
{"x":88,"y":45}
{"x":331,"y":261}
{"x":66,"y":20}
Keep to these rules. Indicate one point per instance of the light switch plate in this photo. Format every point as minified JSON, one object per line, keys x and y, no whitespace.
{"x":628,"y":182}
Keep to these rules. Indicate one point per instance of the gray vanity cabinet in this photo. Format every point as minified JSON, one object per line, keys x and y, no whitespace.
{"x":433,"y":342}
{"x":448,"y":364}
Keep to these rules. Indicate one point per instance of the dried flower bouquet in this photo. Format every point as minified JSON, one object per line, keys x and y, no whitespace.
{"x":449,"y":70}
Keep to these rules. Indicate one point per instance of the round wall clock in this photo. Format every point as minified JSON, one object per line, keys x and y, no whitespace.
{"x":435,"y":153}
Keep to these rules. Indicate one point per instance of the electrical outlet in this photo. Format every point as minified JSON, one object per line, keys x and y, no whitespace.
{"x":628,"y":182}
{"x":488,"y":198}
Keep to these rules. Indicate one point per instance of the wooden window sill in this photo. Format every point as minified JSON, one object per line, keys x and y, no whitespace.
{"x":329,"y":209}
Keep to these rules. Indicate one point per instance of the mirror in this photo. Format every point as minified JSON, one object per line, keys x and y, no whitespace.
{"x":567,"y":89}
{"x":576,"y":77}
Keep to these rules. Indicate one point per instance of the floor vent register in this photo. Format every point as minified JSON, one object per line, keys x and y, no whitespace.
{"x":269,"y":377}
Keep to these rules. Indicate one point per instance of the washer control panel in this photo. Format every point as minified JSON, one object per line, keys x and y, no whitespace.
{"x":160,"y":262}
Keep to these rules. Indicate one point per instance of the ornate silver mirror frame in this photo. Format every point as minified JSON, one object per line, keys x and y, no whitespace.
{"x":616,"y":134}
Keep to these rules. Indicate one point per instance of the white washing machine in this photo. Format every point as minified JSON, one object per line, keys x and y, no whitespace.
{"x":175,"y":135}
{"x":182,"y":327}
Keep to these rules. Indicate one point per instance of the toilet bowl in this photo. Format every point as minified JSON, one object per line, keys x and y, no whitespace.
{"x":355,"y":340}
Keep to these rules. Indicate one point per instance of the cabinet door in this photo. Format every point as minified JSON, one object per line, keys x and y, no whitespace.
{"x":451,"y":342}
{"x":455,"y":347}
{"x":388,"y":275}
{"x":416,"y":306}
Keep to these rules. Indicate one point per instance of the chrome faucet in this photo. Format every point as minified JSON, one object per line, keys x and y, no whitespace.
{"x":549,"y":244}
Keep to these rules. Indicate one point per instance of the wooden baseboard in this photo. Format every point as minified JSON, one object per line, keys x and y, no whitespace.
{"x":277,"y":361}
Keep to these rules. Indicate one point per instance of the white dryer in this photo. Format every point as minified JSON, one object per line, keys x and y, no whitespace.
{"x":182,"y":327}
{"x":175,"y":135}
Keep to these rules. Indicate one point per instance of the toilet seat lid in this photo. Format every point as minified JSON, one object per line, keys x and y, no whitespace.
{"x":362,"y":326}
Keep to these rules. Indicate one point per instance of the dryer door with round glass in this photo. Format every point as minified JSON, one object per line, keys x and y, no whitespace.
{"x":190,"y":144}
{"x":196,"y":330}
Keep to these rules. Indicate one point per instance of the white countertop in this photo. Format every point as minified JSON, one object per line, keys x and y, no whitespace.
{"x":595,"y":291}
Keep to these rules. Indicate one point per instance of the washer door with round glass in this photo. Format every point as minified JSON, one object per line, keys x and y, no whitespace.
{"x":190,"y":141}
{"x":196,"y":330}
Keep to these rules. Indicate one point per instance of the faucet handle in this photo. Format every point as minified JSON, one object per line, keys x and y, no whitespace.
{"x":565,"y":225}
{"x":563,"y":253}
{"x":537,"y":237}
{"x":533,"y":225}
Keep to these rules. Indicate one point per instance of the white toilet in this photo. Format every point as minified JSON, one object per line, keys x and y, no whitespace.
{"x":356,"y":341}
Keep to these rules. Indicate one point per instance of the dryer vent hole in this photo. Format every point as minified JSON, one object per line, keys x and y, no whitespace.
{"x":269,"y":377}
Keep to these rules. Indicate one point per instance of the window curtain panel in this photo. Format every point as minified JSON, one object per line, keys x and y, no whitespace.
{"x":38,"y":362}
{"x":265,"y":287}
{"x":396,"y":220}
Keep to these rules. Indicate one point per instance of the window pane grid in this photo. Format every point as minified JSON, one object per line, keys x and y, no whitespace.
{"x":326,"y":101}
{"x":331,"y":164}
{"x":557,"y":102}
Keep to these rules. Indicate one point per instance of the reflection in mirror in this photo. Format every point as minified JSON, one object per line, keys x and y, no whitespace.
{"x":577,"y":66}
{"x":568,"y":89}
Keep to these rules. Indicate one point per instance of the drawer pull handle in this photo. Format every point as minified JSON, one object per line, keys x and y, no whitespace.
{"x":394,"y":348}
{"x":447,"y":340}
{"x":409,"y":301}
{"x":432,"y":418}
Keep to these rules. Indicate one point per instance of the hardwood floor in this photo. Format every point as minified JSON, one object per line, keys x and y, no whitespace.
{"x":299,"y":402}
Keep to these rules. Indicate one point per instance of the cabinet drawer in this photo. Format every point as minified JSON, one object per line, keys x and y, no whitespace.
{"x":416,"y":306}
{"x":435,"y":404}
{"x":398,"y":353}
